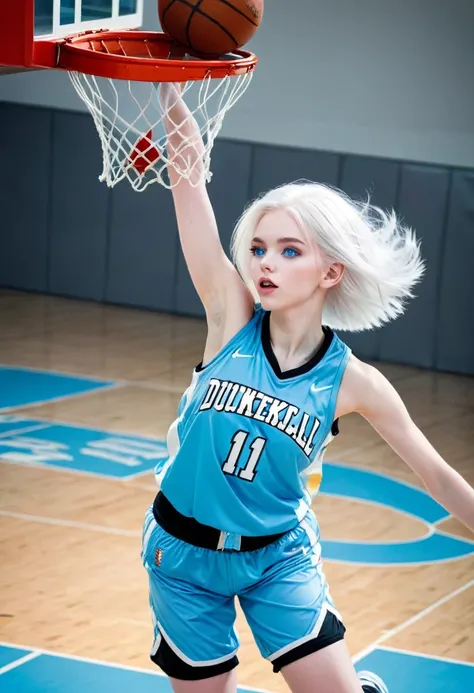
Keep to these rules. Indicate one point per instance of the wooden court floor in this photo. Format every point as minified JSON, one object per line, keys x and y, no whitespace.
{"x":71,"y":579}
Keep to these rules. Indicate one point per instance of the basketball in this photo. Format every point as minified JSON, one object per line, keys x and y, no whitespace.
{"x":210,"y":28}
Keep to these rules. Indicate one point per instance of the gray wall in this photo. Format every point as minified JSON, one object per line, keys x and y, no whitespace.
{"x":391,"y":79}
{"x":63,"y":232}
{"x":368,"y":96}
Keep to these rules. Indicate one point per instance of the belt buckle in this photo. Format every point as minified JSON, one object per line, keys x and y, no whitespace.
{"x":229,"y":542}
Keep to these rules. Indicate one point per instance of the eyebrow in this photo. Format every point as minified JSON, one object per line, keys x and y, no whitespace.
{"x":287,"y":239}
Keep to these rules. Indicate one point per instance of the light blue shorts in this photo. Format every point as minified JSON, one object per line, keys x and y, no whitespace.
{"x":281,"y":589}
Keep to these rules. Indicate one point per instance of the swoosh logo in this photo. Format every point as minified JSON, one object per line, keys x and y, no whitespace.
{"x":238,"y":355}
{"x":314,"y":388}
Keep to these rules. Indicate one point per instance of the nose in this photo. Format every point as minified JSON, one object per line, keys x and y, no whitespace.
{"x":266,"y":263}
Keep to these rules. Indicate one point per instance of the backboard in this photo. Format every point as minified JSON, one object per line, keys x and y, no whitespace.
{"x":123,"y":76}
{"x":56,"y":18}
{"x":23,"y":21}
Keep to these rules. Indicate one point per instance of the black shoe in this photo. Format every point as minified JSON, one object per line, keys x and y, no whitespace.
{"x":371,"y":683}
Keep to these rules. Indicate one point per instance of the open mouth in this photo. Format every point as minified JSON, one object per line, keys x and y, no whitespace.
{"x":267,"y":284}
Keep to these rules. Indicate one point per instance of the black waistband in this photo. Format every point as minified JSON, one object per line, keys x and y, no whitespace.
{"x":193,"y":532}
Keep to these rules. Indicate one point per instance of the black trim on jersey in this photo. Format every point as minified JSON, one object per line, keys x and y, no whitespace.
{"x":335,"y":427}
{"x":315,"y":359}
{"x":173,"y":666}
{"x":331,"y":631}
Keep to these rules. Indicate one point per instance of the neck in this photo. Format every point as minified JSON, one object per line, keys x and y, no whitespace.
{"x":296,"y":334}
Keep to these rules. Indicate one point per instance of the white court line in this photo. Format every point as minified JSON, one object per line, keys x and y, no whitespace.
{"x":96,"y":379}
{"x":442,"y":519}
{"x":379,"y":504}
{"x":48,"y":371}
{"x":19,"y":662}
{"x":413,"y":619}
{"x":71,"y":523}
{"x":442,"y":533}
{"x":112,"y":665}
{"x":50,"y":423}
{"x":69,"y":424}
{"x":423,"y":655}
{"x":431,"y":526}
{"x":67,"y":470}
{"x":75,"y":395}
{"x":411,"y":564}
{"x":144,"y":472}
{"x":136,"y":533}
{"x":152,"y":487}
{"x":382,"y":475}
{"x":26,"y":429}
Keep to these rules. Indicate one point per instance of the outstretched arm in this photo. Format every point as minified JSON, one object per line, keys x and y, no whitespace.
{"x":216,"y":280}
{"x":367,"y":391}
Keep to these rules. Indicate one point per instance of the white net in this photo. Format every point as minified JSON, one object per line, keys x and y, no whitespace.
{"x":130,"y":118}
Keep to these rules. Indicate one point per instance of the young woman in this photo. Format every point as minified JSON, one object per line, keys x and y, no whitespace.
{"x":232,"y":517}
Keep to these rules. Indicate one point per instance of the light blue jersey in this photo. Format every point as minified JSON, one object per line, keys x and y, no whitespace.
{"x":247,"y":435}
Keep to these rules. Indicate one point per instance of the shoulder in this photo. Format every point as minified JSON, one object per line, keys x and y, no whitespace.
{"x":364,"y":389}
{"x":361,"y":373}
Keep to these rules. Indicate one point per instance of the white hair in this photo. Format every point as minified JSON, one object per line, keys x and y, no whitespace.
{"x":381,"y":258}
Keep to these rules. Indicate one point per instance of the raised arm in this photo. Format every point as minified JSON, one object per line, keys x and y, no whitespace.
{"x":226,"y":299}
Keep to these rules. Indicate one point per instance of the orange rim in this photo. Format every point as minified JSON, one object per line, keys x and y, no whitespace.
{"x":137,"y":56}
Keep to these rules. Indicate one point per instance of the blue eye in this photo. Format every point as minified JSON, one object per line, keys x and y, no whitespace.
{"x":258,"y":252}
{"x":290,"y":252}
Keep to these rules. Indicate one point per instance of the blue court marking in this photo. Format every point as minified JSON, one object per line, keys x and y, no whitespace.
{"x":11,"y":654}
{"x":20,"y":387}
{"x":11,"y":423}
{"x":50,"y":673}
{"x":76,"y":448}
{"x":92,"y":451}
{"x":367,"y":485}
{"x":364,"y":485}
{"x":406,"y":671}
{"x":437,"y":547}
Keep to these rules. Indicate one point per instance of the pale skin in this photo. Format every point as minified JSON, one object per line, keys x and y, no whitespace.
{"x":303,"y":277}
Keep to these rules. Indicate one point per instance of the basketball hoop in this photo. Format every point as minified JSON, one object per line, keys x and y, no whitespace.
{"x":121,"y":76}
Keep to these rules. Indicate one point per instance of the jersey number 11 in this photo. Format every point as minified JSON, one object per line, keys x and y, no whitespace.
{"x":232,"y":463}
